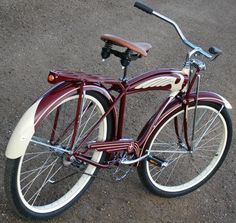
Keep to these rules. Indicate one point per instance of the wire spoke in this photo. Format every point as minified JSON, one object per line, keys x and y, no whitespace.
{"x":173,"y":168}
{"x":209,"y":150}
{"x":37,"y":155}
{"x":210,"y":140}
{"x":42,"y":169}
{"x":48,"y":177}
{"x":195,"y":167}
{"x":203,"y":126}
{"x":85,"y":125}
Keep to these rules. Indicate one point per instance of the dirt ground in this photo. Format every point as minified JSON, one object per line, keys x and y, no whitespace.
{"x":36,"y":36}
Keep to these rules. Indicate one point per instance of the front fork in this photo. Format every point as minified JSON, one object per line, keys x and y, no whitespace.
{"x":185,"y":126}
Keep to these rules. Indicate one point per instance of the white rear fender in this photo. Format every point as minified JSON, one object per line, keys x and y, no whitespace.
{"x":25,"y":129}
{"x":22,"y":134}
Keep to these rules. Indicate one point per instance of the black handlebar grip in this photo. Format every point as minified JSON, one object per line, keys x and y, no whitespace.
{"x":215,"y":51}
{"x":143,"y":7}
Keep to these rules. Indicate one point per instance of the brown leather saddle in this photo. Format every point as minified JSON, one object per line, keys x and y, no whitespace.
{"x":137,"y":47}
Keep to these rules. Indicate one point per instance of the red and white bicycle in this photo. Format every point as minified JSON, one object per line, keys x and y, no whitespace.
{"x":74,"y":129}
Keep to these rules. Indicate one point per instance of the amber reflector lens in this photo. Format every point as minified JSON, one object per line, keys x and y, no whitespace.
{"x":51,"y":78}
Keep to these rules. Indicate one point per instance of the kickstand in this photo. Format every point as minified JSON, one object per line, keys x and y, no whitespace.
{"x":120,"y":174}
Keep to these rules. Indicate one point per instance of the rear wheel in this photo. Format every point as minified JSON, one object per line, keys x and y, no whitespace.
{"x":43,"y":183}
{"x":179,"y":171}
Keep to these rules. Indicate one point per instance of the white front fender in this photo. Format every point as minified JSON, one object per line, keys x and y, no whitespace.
{"x":22,"y":134}
{"x":226,"y":102}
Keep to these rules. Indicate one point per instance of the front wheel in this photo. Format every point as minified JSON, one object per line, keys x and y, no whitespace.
{"x":184,"y":171}
{"x":42,"y":183}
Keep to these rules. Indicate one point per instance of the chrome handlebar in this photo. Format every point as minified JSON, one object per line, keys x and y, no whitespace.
{"x":196,"y":49}
{"x":181,"y":35}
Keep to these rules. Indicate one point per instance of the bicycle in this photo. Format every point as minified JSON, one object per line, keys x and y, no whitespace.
{"x":74,"y":129}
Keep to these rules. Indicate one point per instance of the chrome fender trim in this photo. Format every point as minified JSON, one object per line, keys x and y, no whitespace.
{"x":25,"y":128}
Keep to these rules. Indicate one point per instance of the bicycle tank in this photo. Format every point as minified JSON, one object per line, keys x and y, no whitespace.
{"x":168,"y":79}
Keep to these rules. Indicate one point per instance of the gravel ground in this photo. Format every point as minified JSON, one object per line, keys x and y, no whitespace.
{"x":36,"y":36}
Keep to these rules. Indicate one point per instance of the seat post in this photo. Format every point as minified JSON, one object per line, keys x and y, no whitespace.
{"x":125,"y":57}
{"x":125,"y":72}
{"x":125,"y":60}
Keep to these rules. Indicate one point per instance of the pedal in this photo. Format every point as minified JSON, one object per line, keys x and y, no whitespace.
{"x":157,"y":161}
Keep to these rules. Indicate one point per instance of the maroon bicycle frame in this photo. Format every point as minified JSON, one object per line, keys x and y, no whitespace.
{"x":71,"y":83}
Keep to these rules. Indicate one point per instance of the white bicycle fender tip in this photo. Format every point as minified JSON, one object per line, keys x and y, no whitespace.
{"x":22,"y":134}
{"x":226,"y":102}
